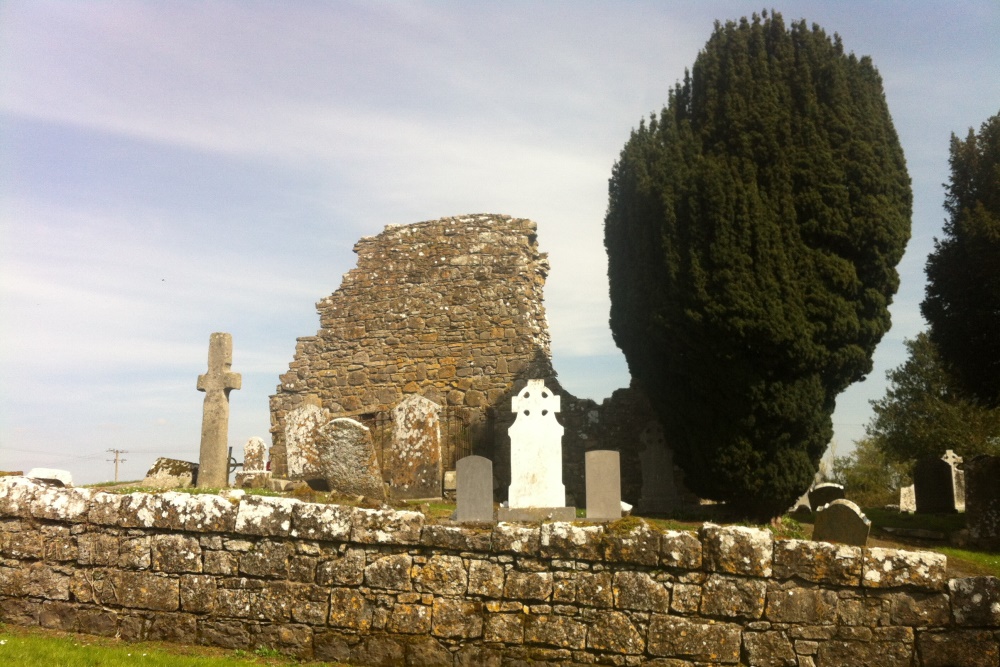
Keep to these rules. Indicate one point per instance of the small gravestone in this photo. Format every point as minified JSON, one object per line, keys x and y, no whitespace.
{"x":255,"y":474}
{"x":536,"y":489}
{"x":171,"y":474}
{"x":213,"y":457}
{"x":934,"y":486}
{"x":52,"y":476}
{"x":604,"y":485}
{"x":659,"y":489}
{"x":957,"y":478}
{"x":824,"y":494}
{"x":982,"y":501}
{"x":347,"y":459}
{"x":412,"y":461}
{"x":907,"y":499}
{"x":474,"y":492}
{"x":843,"y":522}
{"x":302,"y":435}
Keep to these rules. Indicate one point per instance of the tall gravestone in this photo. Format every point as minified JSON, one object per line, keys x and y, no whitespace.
{"x":843,"y":522}
{"x":934,"y":485}
{"x":474,"y":489}
{"x":957,"y":478}
{"x":982,"y":503}
{"x":604,"y":485}
{"x":907,"y":499}
{"x":302,"y":436}
{"x":659,"y":488}
{"x":412,"y":461}
{"x":536,"y":488}
{"x":254,"y":474}
{"x":823,"y":494}
{"x":347,"y":459}
{"x":213,"y":458}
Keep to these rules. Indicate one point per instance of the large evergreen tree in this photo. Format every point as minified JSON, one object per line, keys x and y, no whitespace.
{"x":753,"y":230}
{"x":962,"y":301}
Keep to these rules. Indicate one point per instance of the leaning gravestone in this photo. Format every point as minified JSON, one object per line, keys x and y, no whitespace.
{"x":213,"y":457}
{"x":982,"y":501}
{"x":302,"y":426}
{"x":536,"y":489}
{"x":933,"y":486}
{"x":659,"y":489}
{"x":412,"y":461}
{"x":907,"y":499}
{"x":171,"y":474}
{"x":255,"y":474}
{"x":824,"y":494}
{"x":604,"y":485}
{"x":843,"y":522}
{"x":347,"y":459}
{"x":474,"y":492}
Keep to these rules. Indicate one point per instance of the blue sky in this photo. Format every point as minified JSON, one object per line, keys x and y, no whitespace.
{"x":172,"y":169}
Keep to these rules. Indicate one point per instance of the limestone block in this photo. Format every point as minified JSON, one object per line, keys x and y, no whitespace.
{"x":975,"y":601}
{"x":685,"y":598}
{"x":514,"y":538}
{"x":441,"y":575}
{"x":409,"y":619}
{"x":919,"y":610}
{"x":737,"y":550}
{"x":768,"y":648}
{"x":612,"y":631}
{"x":456,"y":538}
{"x":968,"y":648}
{"x":865,"y":654}
{"x":457,"y":619}
{"x":197,"y":593}
{"x":16,"y":496}
{"x":559,"y":631}
{"x":61,"y":504}
{"x":313,"y":521}
{"x":526,"y":586}
{"x":167,"y":473}
{"x":594,"y":589}
{"x":794,"y":604}
{"x":390,"y":572}
{"x":265,"y":515}
{"x":386,"y":527}
{"x":350,"y":609}
{"x":680,"y":549}
{"x":639,"y":591}
{"x":566,"y":540}
{"x":142,"y":590}
{"x":504,"y":628}
{"x":346,"y":570}
{"x":677,"y":637}
{"x":175,"y":553}
{"x":638,"y":544}
{"x":818,"y":562}
{"x":888,"y":568}
{"x":485,"y":579}
{"x":733,"y":597}
{"x":267,"y":559}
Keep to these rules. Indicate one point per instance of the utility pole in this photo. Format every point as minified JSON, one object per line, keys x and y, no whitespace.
{"x":117,"y":460}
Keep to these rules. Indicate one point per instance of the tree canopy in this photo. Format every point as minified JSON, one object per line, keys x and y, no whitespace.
{"x":962,"y":299}
{"x":753,"y":230}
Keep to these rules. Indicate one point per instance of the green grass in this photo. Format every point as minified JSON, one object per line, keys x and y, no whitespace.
{"x":942,"y":523}
{"x":975,"y":562}
{"x":32,"y":647}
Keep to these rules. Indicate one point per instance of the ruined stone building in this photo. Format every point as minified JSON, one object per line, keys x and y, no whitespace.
{"x":452,"y":310}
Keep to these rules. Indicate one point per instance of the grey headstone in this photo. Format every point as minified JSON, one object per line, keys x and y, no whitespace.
{"x":843,"y":522}
{"x":254,"y":474}
{"x":824,"y":494}
{"x":302,"y":436}
{"x":347,"y":459}
{"x":982,"y":501}
{"x":934,"y":486}
{"x":659,"y":488}
{"x":907,"y":499}
{"x":412,"y":461}
{"x":213,"y":457}
{"x":604,"y":485}
{"x":474,"y":492}
{"x":171,"y":474}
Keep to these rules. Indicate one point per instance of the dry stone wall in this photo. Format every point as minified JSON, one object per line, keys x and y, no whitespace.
{"x":380,"y":587}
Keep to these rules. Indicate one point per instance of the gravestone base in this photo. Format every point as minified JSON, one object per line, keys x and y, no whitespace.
{"x":536,"y":514}
{"x":253,"y":479}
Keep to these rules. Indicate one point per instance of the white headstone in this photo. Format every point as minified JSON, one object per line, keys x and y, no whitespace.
{"x":957,"y":478}
{"x":536,"y":449}
{"x":908,"y":499}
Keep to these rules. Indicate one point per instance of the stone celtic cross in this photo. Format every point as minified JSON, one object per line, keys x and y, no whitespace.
{"x":213,"y":459}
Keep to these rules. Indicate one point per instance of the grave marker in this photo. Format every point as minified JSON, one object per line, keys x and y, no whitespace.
{"x":843,"y":522}
{"x":907,"y":499}
{"x":604,"y":485}
{"x":474,"y":492}
{"x":934,"y":487}
{"x":412,"y":461}
{"x":982,"y":512}
{"x":824,"y":494}
{"x":957,"y":478}
{"x":347,"y":459}
{"x":255,"y":474}
{"x":213,"y":457}
{"x":302,"y":436}
{"x":659,"y":488}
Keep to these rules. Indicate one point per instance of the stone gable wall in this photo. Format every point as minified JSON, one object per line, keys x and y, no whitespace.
{"x":382,"y":587}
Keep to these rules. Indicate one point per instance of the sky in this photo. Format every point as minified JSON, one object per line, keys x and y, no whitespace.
{"x":169,"y":170}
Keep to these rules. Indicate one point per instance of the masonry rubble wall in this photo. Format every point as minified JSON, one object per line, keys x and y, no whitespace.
{"x":382,"y":587}
{"x":452,"y":310}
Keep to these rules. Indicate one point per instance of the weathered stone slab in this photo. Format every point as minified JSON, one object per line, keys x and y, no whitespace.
{"x":968,"y":648}
{"x":167,"y":473}
{"x":412,"y":461}
{"x":612,"y":631}
{"x":213,"y":457}
{"x":61,"y":504}
{"x":790,"y":603}
{"x":889,"y":568}
{"x":982,"y":504}
{"x":933,"y":486}
{"x":347,"y":459}
{"x":386,"y":527}
{"x":841,"y":521}
{"x":639,"y":591}
{"x":737,"y":550}
{"x":733,"y":597}
{"x":474,"y":489}
{"x":314,"y":521}
{"x":908,"y":499}
{"x":677,"y":637}
{"x":824,"y":493}
{"x":604,"y":485}
{"x":265,"y":515}
{"x":864,"y":653}
{"x":254,"y":474}
{"x":564,"y":540}
{"x":818,"y":562}
{"x":302,"y":440}
{"x":975,"y":601}
{"x":637,"y":543}
{"x":510,"y":537}
{"x":680,"y":549}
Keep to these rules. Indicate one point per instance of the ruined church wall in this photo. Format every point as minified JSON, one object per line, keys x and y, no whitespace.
{"x":450,"y":309}
{"x":372,"y":587}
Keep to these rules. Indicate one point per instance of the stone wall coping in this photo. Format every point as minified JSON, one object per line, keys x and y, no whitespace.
{"x":731,"y":550}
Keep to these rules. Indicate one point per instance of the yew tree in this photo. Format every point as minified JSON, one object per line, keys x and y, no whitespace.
{"x":753,"y":230}
{"x":962,"y":298}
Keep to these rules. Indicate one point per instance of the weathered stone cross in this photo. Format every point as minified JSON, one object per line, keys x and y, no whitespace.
{"x":213,"y":459}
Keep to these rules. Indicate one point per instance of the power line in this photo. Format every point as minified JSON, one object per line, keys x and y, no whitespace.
{"x":117,"y":460}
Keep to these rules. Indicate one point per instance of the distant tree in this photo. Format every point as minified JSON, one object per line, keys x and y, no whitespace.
{"x":962,"y":301}
{"x":870,"y":478}
{"x":753,"y":230}
{"x":922,"y":414}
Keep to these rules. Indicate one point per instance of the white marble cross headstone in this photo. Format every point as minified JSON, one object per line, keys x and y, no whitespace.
{"x":536,"y":449}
